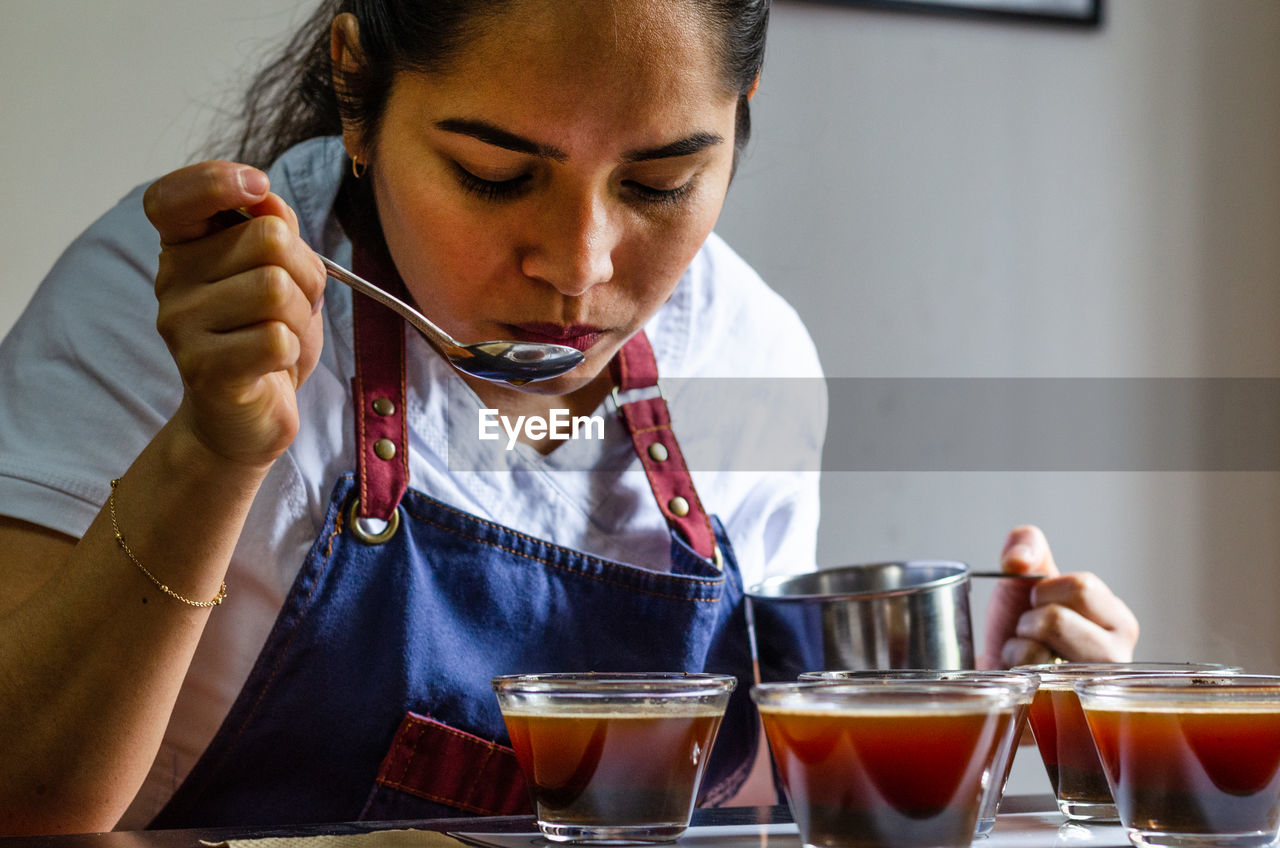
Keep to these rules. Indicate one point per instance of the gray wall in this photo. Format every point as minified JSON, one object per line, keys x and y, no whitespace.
{"x":952,"y":198}
{"x":938,"y":198}
{"x":99,"y":97}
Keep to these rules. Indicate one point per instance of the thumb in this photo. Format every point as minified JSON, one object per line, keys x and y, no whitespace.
{"x":1026,"y":551}
{"x":182,"y":205}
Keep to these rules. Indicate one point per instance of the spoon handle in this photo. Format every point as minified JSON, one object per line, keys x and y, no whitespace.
{"x":1000,"y":575}
{"x":420,"y":322}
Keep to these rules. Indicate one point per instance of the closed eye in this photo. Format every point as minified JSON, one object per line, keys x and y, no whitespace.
{"x":494,"y":191}
{"x":668,"y":196}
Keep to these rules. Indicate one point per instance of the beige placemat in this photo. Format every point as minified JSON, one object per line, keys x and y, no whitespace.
{"x":375,"y":839}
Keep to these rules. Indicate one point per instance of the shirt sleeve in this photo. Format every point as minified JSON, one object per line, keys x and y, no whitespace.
{"x":85,"y":377}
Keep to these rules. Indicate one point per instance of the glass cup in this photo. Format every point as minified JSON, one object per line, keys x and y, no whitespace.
{"x":1192,"y":761}
{"x":884,"y":764}
{"x":1023,"y":683}
{"x":613,"y":757}
{"x":1066,"y":748}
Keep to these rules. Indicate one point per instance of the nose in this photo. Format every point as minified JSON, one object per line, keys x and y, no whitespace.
{"x":570,"y":245}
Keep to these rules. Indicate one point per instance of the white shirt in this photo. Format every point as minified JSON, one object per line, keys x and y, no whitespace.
{"x":87,"y":382}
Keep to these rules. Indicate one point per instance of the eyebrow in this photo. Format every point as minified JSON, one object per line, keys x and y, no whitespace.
{"x":490,"y":134}
{"x":692,"y":144}
{"x":498,"y":137}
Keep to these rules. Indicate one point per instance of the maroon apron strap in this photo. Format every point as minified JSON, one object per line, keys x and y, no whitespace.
{"x":648,"y":421}
{"x":382,"y":444}
{"x":382,"y":438}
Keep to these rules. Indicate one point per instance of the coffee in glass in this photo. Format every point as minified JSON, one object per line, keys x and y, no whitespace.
{"x":613,"y":757}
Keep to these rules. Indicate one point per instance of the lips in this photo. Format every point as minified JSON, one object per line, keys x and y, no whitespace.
{"x":577,"y":336}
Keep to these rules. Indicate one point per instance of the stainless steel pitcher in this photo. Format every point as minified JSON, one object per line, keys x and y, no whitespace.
{"x":910,"y":614}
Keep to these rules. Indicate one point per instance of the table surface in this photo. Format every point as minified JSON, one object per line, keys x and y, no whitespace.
{"x":515,"y":824}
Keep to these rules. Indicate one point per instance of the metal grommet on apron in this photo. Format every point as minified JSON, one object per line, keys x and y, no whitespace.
{"x":363,"y":533}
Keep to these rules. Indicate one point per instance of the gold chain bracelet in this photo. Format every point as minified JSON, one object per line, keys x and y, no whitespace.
{"x":111,"y":507}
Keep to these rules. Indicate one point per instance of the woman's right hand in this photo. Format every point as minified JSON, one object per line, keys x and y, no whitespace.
{"x":239,"y":307}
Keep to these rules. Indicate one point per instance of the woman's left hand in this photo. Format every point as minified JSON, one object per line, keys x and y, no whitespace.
{"x":1073,"y":616}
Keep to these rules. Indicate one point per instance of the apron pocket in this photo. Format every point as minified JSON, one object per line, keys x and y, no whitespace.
{"x":436,"y":771}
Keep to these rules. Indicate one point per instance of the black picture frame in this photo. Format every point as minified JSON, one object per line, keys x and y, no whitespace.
{"x":1081,"y":13}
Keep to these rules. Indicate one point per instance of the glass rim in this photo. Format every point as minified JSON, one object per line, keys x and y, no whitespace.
{"x":1021,"y":679}
{"x":1065,"y":675}
{"x":620,"y":684}
{"x":856,"y":693}
{"x":1182,"y":687}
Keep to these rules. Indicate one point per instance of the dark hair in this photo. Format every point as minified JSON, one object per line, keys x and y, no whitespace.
{"x":293,"y":98}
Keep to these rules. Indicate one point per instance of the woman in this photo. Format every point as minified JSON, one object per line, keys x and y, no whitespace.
{"x":533,"y":169}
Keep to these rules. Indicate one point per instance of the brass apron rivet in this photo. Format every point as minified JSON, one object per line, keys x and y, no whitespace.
{"x":678,"y":506}
{"x":384,"y":406}
{"x":385,"y":449}
{"x":658,"y":452}
{"x":364,"y":534}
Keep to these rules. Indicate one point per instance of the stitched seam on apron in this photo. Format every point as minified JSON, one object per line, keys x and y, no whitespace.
{"x":337,"y":529}
{"x":400,"y":785}
{"x":419,"y":724}
{"x":494,"y":526}
{"x":707,"y":581}
{"x":624,"y":377}
{"x":362,"y":438}
{"x":413,"y":752}
{"x":559,"y":567}
{"x":403,"y":400}
{"x":471,"y":790}
{"x":213,"y":769}
{"x":465,"y":516}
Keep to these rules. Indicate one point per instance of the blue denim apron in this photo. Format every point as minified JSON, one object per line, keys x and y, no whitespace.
{"x":370,"y":698}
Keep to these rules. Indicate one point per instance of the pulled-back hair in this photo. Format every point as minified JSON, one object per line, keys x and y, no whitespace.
{"x":293,"y":98}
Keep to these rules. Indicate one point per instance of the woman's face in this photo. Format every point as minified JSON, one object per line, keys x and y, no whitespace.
{"x":556,"y":181}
